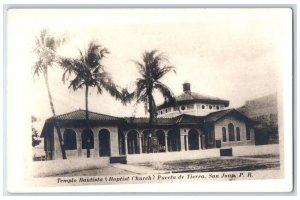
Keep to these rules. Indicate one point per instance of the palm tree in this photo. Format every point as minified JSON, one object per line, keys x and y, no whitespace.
{"x":45,"y":49}
{"x":153,"y":67}
{"x":89,"y":72}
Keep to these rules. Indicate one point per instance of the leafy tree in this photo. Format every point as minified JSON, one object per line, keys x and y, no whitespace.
{"x":35,"y":137}
{"x":152,"y":69}
{"x":89,"y":72}
{"x":45,"y":49}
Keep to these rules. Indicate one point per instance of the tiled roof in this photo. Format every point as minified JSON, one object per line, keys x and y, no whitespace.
{"x":193,"y":95}
{"x":189,"y":119}
{"x":181,"y":119}
{"x":76,"y":117}
{"x":215,"y":116}
{"x":80,"y":115}
{"x":145,"y":120}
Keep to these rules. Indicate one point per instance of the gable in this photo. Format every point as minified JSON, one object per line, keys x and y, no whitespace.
{"x":217,"y":116}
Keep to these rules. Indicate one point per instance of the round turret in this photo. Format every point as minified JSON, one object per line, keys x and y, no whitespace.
{"x":191,"y":103}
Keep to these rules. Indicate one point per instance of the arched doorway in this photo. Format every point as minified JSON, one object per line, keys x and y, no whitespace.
{"x":160,"y":136}
{"x":173,"y":140}
{"x":132,"y":142}
{"x":193,"y":138}
{"x":121,"y":143}
{"x":104,"y":142}
{"x":146,"y":141}
{"x":69,"y":138}
{"x":87,"y":139}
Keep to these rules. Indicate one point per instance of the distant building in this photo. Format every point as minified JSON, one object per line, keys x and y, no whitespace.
{"x":192,"y":103}
{"x":195,"y":124}
{"x":264,"y":112}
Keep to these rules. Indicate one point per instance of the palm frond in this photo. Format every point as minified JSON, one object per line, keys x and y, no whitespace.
{"x":127,"y":97}
{"x":89,"y":71}
{"x":68,"y":67}
{"x":38,"y":68}
{"x":95,"y":54}
{"x":45,"y":49}
{"x":144,"y":99}
{"x":82,"y":56}
{"x":163,"y":71}
{"x":99,"y":89}
{"x":110,"y":87}
{"x":103,"y":52}
{"x":141,"y":67}
{"x":76,"y":83}
{"x":152,"y":68}
{"x":166,"y":92}
{"x":141,"y":86}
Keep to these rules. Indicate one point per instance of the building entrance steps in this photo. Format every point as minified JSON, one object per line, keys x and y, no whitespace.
{"x":138,"y":169}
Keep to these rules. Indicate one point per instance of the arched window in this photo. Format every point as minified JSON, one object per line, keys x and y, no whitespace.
{"x":70,"y":139}
{"x":173,"y":140}
{"x":231,"y":132}
{"x":248,"y":133}
{"x":87,"y":138}
{"x":193,"y":138}
{"x":224,"y":134}
{"x":132,"y":142}
{"x":238,"y":134}
{"x":104,"y":142}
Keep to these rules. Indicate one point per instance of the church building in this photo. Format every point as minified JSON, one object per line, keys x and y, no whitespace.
{"x":197,"y":126}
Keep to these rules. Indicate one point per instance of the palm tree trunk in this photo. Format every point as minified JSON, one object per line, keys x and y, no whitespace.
{"x":88,"y":153}
{"x":151,"y":121}
{"x":54,"y":116}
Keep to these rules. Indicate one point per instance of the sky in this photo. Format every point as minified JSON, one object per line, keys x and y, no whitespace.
{"x":233,"y":54}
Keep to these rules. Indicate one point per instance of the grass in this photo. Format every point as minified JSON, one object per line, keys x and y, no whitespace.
{"x":218,"y":164}
{"x":271,"y":156}
{"x":93,"y":167}
{"x":103,"y":171}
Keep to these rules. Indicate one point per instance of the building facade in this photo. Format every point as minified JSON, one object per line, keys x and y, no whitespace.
{"x":192,"y":127}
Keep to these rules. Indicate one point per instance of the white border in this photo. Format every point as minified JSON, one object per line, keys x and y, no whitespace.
{"x":268,"y":184}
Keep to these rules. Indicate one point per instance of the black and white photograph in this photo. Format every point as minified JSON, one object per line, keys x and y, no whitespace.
{"x":152,"y":96}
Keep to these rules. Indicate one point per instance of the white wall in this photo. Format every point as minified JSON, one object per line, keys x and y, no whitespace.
{"x":54,"y":167}
{"x":197,"y":111}
{"x":171,"y":156}
{"x":255,"y":150}
{"x":200,"y":154}
{"x":114,"y":149}
{"x":237,"y":123}
{"x":114,"y":144}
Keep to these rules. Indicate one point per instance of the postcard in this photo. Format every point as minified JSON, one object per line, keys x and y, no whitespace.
{"x":150,"y":100}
